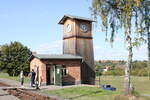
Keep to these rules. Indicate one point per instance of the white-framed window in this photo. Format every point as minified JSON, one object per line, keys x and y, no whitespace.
{"x":64,"y":71}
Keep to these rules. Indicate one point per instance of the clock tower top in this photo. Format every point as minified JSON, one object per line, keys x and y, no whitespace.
{"x":76,"y":27}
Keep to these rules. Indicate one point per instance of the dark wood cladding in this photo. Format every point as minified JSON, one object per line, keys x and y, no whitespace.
{"x":74,"y":36}
{"x":77,"y":42}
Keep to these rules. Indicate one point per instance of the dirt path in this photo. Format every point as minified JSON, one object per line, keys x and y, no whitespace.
{"x":13,"y":93}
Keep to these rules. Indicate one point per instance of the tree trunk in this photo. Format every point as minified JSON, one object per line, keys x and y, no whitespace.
{"x":147,"y":24}
{"x":148,"y":54}
{"x":99,"y":80}
{"x":128,"y":67}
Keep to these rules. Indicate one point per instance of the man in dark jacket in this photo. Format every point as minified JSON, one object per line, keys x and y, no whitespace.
{"x":32,"y":76}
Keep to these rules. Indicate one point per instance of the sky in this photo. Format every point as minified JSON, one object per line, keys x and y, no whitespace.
{"x":34,"y":23}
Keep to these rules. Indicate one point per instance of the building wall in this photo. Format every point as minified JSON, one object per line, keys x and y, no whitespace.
{"x":69,"y":44}
{"x":42,"y":69}
{"x":73,"y":67}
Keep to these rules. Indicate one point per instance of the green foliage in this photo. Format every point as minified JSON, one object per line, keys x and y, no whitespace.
{"x":116,"y":14}
{"x":98,"y":66}
{"x":120,"y":72}
{"x":98,"y":69}
{"x":139,"y":72}
{"x":139,"y":64}
{"x":135,"y":93}
{"x":115,"y":72}
{"x":14,"y":58}
{"x":98,"y":73}
{"x":139,"y":68}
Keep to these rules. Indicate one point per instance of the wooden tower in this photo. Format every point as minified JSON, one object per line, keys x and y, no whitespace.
{"x":77,"y":40}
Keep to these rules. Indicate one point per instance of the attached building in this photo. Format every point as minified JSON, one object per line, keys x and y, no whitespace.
{"x":57,"y":69}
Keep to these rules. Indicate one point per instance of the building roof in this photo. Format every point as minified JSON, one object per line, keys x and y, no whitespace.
{"x":58,"y":56}
{"x":74,"y":17}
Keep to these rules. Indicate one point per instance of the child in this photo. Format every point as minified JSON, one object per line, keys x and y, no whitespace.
{"x":21,"y":77}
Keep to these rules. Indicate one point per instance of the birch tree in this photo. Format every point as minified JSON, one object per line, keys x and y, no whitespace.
{"x":122,"y":14}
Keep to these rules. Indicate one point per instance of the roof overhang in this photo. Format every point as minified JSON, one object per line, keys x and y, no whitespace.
{"x":74,"y":17}
{"x":56,"y":57}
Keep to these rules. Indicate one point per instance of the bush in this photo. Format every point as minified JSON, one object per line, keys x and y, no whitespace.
{"x":120,"y":72}
{"x":139,"y":72}
{"x":115,"y":72}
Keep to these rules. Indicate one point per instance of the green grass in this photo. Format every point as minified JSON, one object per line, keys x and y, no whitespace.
{"x":83,"y":93}
{"x":141,"y":84}
{"x":142,"y":87}
{"x":16,"y":78}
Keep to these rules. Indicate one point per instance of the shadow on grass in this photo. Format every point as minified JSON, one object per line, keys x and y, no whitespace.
{"x":84,"y":95}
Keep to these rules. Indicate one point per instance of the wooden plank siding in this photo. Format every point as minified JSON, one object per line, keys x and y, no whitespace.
{"x":80,"y":43}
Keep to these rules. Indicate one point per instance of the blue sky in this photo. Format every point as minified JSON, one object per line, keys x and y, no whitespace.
{"x":34,"y":23}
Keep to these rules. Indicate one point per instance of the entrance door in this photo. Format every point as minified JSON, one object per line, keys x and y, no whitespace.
{"x":47,"y":74}
{"x":58,"y":75}
{"x":50,"y":74}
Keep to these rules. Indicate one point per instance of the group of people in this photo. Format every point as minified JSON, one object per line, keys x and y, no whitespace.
{"x":32,"y":76}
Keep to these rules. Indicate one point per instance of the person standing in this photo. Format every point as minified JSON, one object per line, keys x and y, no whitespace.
{"x":32,"y":77}
{"x":33,"y":74}
{"x":21,"y":77}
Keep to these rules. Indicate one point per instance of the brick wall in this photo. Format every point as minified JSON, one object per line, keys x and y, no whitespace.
{"x":42,"y":69}
{"x":73,"y":67}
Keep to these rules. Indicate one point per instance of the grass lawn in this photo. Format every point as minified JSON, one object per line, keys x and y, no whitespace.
{"x":83,"y":93}
{"x":142,"y":86}
{"x":16,"y":78}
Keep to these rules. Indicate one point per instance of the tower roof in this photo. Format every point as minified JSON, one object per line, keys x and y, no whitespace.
{"x":74,"y":17}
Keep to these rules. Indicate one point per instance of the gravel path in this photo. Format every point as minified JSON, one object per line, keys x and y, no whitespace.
{"x":5,"y":95}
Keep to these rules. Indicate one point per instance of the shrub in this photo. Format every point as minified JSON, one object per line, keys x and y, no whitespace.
{"x":139,"y":72}
{"x":115,"y":72}
{"x":120,"y":72}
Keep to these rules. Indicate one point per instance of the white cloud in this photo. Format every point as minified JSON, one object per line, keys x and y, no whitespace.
{"x":50,"y":48}
{"x":100,"y":52}
{"x":108,"y":53}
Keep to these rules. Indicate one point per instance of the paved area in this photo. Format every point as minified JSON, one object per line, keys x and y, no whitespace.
{"x":12,"y":82}
{"x":15,"y":84}
{"x":6,"y":96}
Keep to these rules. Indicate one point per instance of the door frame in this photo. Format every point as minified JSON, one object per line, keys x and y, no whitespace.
{"x":57,"y":74}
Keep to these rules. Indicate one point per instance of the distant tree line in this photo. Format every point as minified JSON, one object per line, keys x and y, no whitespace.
{"x":14,"y":58}
{"x":139,"y":68}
